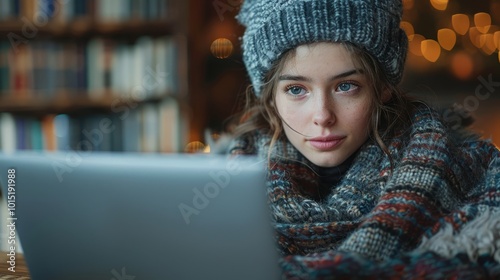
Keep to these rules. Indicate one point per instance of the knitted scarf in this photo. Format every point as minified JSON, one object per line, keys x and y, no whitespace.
{"x":434,"y":215}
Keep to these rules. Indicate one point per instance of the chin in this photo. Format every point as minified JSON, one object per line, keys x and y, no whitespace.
{"x":325,"y":161}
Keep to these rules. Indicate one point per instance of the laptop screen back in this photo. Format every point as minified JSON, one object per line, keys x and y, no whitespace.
{"x":138,"y":216}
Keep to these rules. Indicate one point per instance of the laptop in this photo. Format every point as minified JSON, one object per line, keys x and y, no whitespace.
{"x":126,"y":216}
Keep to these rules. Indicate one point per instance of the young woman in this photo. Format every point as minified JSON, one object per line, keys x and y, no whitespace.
{"x":363,"y":181}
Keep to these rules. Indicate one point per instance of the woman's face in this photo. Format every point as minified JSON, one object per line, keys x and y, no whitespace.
{"x":324,"y":102}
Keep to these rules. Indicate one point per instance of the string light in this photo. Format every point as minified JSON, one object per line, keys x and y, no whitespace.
{"x":408,"y":4}
{"x":487,"y":41}
{"x":496,"y":39}
{"x":194,"y":147}
{"x":221,"y":48}
{"x":415,"y":44}
{"x":462,"y":65}
{"x":431,"y":50}
{"x":408,"y":28}
{"x":447,"y":38}
{"x":474,"y":36}
{"x":460,"y":23}
{"x":482,"y":22}
{"x":439,"y":4}
{"x":207,"y":149}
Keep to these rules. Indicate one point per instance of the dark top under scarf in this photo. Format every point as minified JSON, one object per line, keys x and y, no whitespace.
{"x":329,"y":177}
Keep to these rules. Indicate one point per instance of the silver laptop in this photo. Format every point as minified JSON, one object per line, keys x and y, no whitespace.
{"x":140,"y":216}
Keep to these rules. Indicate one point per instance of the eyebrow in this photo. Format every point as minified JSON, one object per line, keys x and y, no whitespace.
{"x":307,"y":79}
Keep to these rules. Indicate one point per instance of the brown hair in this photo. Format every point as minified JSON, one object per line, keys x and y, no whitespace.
{"x":387,"y":117}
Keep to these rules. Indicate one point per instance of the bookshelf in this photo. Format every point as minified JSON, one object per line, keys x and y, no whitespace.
{"x":68,"y":66}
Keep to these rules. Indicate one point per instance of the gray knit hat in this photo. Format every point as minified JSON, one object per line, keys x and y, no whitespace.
{"x":276,"y":26}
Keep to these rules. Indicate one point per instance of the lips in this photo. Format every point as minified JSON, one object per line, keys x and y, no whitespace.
{"x":325,"y":143}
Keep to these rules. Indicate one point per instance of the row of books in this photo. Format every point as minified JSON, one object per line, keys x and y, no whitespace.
{"x":151,"y":128}
{"x":43,"y":68}
{"x":100,"y":10}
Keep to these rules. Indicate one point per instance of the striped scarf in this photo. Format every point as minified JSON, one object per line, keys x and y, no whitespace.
{"x":436,"y":214}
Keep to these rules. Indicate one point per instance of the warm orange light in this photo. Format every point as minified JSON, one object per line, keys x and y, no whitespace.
{"x":408,"y":4}
{"x":462,"y":65}
{"x":194,"y":147}
{"x":487,"y":41}
{"x":496,"y":39}
{"x":439,"y":4}
{"x":430,"y":50}
{"x":474,"y":36}
{"x":482,"y":22}
{"x":447,"y":38}
{"x":408,"y":28}
{"x":415,"y":43}
{"x":221,"y":48}
{"x":460,"y":23}
{"x":207,"y":149}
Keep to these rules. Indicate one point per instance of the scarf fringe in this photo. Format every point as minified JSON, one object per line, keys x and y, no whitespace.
{"x":478,"y":237}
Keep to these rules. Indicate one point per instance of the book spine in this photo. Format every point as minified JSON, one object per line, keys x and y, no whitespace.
{"x":4,"y":68}
{"x":8,"y":135}
{"x":134,"y":71}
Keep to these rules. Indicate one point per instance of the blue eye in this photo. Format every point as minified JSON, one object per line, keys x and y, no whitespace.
{"x":295,"y":90}
{"x":346,"y":87}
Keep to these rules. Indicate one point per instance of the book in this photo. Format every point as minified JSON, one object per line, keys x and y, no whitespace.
{"x":5,"y":10}
{"x":49,"y":133}
{"x":94,"y":71}
{"x":8,"y":135}
{"x":4,"y":68}
{"x":36,"y":140}
{"x":169,"y":127}
{"x":131,"y":131}
{"x":150,"y":123}
{"x":134,"y":72}
{"x":20,"y":67}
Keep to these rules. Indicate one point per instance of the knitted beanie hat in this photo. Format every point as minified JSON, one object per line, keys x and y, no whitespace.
{"x":276,"y":26}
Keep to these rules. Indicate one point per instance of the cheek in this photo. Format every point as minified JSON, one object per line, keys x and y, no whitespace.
{"x":291,"y":115}
{"x":357,"y":117}
{"x":291,"y":119}
{"x":285,"y":112}
{"x":362,"y":120}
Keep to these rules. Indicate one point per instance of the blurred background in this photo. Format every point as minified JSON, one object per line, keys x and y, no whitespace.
{"x":165,"y":75}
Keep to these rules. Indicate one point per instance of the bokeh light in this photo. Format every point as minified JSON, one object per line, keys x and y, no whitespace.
{"x":195,"y":147}
{"x":460,"y":23}
{"x":221,"y":48}
{"x":415,"y":44}
{"x":408,"y":4}
{"x":482,"y":21}
{"x":462,"y":65}
{"x":447,"y":38}
{"x":475,"y":37}
{"x":439,"y":4}
{"x":408,"y":28}
{"x":206,"y":150}
{"x":488,"y":43}
{"x":431,"y":50}
{"x":496,"y":39}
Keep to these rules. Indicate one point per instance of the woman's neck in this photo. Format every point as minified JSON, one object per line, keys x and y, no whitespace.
{"x":328,"y":177}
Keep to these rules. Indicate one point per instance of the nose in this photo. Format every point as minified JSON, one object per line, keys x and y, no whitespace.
{"x":323,"y":111}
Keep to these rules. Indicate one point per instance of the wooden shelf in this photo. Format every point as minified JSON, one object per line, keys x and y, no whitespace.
{"x":71,"y":104}
{"x":82,"y":28}
{"x":113,"y":48}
